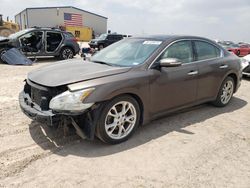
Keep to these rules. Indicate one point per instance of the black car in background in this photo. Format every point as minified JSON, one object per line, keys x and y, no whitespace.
{"x":105,"y":40}
{"x":42,"y":42}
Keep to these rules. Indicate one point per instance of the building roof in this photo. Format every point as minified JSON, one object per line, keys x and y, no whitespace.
{"x":62,"y":7}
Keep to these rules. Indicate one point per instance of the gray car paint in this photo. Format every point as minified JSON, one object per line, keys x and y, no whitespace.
{"x":67,"y":72}
{"x":159,"y":90}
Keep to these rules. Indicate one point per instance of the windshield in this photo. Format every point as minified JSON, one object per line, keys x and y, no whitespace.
{"x":19,"y":33}
{"x":102,"y":36}
{"x":127,"y":52}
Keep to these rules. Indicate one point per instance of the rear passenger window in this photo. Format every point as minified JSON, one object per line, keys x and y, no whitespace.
{"x":110,"y":37}
{"x":205,"y":50}
{"x":180,"y":50}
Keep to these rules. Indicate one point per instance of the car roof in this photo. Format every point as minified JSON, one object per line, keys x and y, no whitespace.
{"x":47,"y":29}
{"x":115,"y":34}
{"x":169,"y":37}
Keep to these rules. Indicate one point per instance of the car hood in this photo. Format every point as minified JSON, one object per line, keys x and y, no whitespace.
{"x":72,"y":71}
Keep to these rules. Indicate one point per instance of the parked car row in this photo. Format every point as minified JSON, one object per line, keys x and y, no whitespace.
{"x":241,"y":49}
{"x":42,"y":42}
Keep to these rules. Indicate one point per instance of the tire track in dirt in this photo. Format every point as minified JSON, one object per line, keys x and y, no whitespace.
{"x":15,"y":160}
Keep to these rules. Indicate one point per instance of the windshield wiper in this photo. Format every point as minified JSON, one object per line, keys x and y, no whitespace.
{"x":103,"y":62}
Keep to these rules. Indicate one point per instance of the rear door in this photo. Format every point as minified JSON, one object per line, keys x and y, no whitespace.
{"x":173,"y":87}
{"x":53,"y":41}
{"x":111,"y":39}
{"x":211,"y":67}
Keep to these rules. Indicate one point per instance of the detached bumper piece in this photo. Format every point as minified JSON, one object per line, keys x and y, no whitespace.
{"x":15,"y":57}
{"x":34,"y":112}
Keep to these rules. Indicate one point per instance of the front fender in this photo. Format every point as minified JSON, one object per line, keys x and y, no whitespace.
{"x":107,"y":88}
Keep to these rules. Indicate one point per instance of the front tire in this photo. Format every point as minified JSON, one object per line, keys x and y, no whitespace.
{"x":66,"y":53}
{"x":119,"y":119}
{"x":225,"y":93}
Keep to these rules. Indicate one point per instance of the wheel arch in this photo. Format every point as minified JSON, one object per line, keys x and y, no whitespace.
{"x":140,"y":103}
{"x":67,"y":46}
{"x":134,"y":96}
{"x":234,"y":76}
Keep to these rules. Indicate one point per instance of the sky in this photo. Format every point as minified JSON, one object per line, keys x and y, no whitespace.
{"x":214,"y":19}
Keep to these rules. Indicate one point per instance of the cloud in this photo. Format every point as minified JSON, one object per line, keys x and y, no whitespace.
{"x":224,"y":19}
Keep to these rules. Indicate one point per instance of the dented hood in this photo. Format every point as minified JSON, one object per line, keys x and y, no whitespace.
{"x":72,"y":71}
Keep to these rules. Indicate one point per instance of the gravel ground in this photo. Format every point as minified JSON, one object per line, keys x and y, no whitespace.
{"x":201,"y":147}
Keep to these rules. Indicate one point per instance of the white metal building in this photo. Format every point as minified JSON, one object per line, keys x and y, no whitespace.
{"x":55,"y":16}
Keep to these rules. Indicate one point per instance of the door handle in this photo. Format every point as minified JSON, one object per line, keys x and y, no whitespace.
{"x":193,"y":73}
{"x":223,"y":66}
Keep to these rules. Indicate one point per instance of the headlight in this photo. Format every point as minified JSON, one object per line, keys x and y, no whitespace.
{"x":71,"y":101}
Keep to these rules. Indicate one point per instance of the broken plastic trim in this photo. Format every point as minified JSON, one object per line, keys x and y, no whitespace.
{"x":78,"y":129}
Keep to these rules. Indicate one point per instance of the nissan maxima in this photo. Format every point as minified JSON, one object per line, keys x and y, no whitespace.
{"x":131,"y":83}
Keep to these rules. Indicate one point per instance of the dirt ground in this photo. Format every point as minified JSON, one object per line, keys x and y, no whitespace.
{"x":201,"y":147}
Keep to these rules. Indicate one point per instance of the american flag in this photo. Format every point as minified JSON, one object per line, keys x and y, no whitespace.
{"x":73,"y":19}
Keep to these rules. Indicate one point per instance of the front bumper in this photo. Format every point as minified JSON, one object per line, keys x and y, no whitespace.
{"x":34,"y":112}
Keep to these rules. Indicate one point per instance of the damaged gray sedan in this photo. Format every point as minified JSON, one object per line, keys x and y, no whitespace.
{"x":129,"y":83}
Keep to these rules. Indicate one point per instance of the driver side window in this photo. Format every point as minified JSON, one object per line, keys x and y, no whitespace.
{"x":181,"y":50}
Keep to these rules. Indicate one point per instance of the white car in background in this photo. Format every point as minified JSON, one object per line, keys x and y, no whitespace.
{"x":246,"y":65}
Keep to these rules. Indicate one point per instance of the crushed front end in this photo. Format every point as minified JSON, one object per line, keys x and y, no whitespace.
{"x":35,"y":101}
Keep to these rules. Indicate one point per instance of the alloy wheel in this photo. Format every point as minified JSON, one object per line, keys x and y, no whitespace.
{"x":120,"y":120}
{"x":227,"y":92}
{"x":67,"y":54}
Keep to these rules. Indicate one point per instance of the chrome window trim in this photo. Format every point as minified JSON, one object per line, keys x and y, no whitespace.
{"x":185,"y":39}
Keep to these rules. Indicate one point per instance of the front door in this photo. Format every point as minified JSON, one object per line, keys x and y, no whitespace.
{"x":32,"y":43}
{"x":173,"y":87}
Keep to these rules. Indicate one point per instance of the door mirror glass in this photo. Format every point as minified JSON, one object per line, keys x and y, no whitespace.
{"x":170,"y":62}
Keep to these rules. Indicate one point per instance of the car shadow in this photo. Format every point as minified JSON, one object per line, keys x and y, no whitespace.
{"x":56,"y":142}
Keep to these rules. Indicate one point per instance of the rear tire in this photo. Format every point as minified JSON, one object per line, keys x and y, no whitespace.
{"x":118,"y":120}
{"x":225,"y":93}
{"x":66,"y":53}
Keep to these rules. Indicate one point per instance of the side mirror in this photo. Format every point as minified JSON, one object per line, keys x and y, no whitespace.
{"x":170,"y":62}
